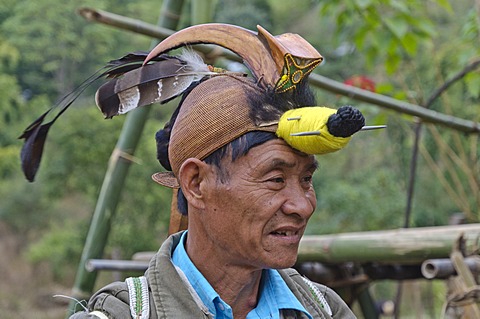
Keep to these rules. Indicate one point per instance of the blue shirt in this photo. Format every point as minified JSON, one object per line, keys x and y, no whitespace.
{"x":274,"y":292}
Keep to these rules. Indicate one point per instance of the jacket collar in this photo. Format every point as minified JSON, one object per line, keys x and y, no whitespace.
{"x":172,"y":299}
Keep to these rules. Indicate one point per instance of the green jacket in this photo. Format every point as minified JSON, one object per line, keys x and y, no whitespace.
{"x":171,"y":297}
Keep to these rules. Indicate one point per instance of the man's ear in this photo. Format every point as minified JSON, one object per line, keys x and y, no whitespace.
{"x":192,"y":174}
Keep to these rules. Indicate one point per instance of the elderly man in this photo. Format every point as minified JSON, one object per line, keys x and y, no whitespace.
{"x":248,"y":204}
{"x":247,"y":192}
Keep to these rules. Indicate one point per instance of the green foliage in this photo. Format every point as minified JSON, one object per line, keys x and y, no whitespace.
{"x":9,"y":107}
{"x":11,"y":101}
{"x":9,"y":56}
{"x":54,"y":45}
{"x":353,"y":197}
{"x":386,"y":29}
{"x":9,"y":161}
{"x":247,"y":13}
{"x":60,"y":248}
{"x":472,"y":81}
{"x":55,"y":62}
{"x":23,"y":206}
{"x":70,"y":144}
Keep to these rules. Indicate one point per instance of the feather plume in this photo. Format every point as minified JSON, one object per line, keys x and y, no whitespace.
{"x":194,"y":63}
{"x":129,"y":67}
{"x":152,"y":83}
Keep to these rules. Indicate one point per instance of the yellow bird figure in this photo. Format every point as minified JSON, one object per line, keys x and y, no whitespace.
{"x":320,"y":130}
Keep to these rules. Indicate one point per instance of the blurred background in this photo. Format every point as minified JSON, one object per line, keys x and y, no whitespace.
{"x":403,"y":49}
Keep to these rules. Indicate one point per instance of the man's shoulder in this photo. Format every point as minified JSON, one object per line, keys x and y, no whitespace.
{"x":111,"y":301}
{"x":325,"y":299}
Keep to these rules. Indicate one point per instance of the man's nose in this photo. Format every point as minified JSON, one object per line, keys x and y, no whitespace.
{"x":299,"y":201}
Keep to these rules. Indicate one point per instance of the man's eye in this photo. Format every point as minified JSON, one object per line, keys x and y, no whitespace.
{"x":277,"y":180}
{"x":307,"y":179}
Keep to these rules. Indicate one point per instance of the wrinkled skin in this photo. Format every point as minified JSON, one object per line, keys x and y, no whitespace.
{"x":257,"y":217}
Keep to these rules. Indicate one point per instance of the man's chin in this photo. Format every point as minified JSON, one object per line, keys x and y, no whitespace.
{"x":283,"y":261}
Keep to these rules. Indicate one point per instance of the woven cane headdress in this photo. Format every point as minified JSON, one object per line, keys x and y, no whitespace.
{"x":218,"y":106}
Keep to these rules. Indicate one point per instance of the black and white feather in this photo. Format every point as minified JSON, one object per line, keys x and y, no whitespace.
{"x":153,"y":83}
{"x":132,"y":85}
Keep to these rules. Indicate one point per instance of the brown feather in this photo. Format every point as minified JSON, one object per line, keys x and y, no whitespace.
{"x":32,"y":149}
{"x":152,"y":83}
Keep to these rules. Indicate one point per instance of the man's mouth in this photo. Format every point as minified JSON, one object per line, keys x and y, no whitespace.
{"x":287,"y":233}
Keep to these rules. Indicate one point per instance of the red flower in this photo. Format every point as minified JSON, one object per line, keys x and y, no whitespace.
{"x":361,"y":81}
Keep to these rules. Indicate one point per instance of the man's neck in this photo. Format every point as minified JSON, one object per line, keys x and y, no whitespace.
{"x":238,"y":289}
{"x":236,"y":285}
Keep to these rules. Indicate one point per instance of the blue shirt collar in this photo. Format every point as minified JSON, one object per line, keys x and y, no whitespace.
{"x":274,"y":294}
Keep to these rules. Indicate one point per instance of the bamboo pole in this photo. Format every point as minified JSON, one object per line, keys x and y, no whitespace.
{"x":125,"y":23}
{"x":202,"y":11}
{"x":426,"y":115}
{"x":404,"y":246}
{"x":412,"y":246}
{"x":316,"y":80}
{"x":115,"y":177}
{"x":443,"y":268}
{"x":140,"y":27}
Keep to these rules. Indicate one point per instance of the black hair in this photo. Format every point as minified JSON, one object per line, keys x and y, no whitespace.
{"x":269,"y":107}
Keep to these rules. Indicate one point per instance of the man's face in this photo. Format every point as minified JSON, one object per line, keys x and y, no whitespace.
{"x":257,"y":217}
